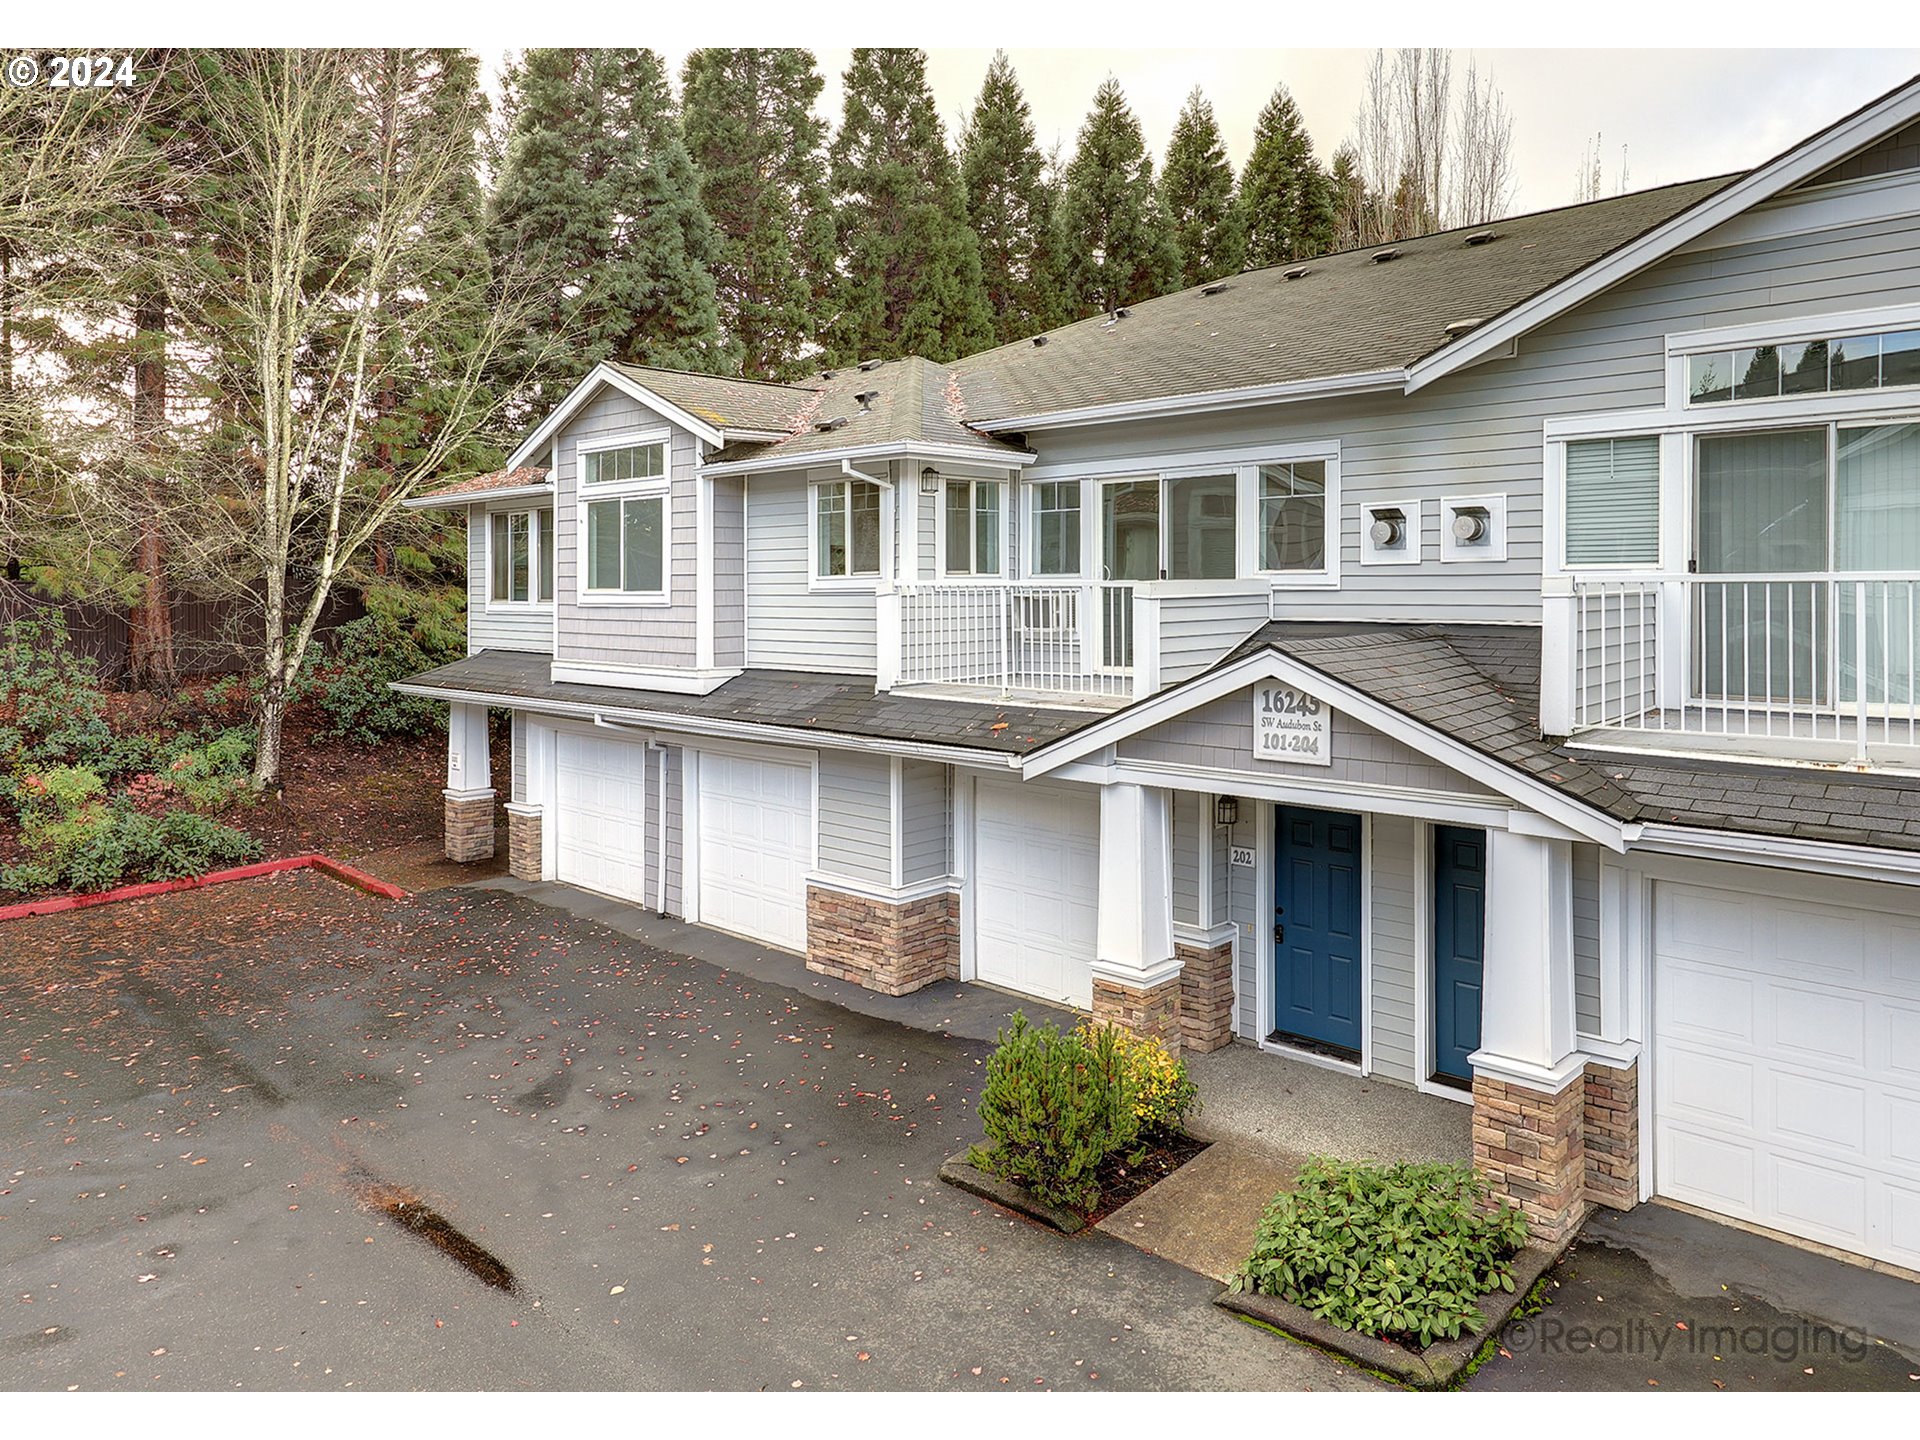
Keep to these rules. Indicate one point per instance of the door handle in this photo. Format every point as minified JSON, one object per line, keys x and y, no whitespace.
{"x":1279,"y":932}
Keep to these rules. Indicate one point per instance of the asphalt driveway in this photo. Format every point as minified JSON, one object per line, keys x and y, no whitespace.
{"x":278,"y":1134}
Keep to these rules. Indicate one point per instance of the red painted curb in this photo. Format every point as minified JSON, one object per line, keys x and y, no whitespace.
{"x":333,"y":869}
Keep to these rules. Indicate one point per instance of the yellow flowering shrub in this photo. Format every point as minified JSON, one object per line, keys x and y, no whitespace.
{"x":1163,"y":1095}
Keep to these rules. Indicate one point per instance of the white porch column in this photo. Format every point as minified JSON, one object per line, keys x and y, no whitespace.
{"x":1136,"y":979}
{"x":1559,"y":654}
{"x":469,"y":794}
{"x":887,"y":636}
{"x":1528,"y":1080}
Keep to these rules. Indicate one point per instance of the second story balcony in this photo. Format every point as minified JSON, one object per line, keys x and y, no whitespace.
{"x":1091,"y":643}
{"x":1818,"y":667}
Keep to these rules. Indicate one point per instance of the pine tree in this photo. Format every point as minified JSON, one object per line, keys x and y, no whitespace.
{"x":596,"y":184}
{"x":1196,"y":196}
{"x":1353,"y":204}
{"x":1285,"y":197}
{"x":1115,"y":247}
{"x":1010,"y":205}
{"x":758,"y":146}
{"x":910,"y":278}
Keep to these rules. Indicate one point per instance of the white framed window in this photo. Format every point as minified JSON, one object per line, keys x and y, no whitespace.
{"x":1612,"y":502}
{"x":1291,"y":528}
{"x":520,"y":557}
{"x":1055,"y":527}
{"x":848,"y":525}
{"x":972,"y":528}
{"x":624,"y":517}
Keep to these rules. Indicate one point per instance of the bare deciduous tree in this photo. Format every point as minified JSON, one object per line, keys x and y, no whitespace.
{"x":332,"y":235}
{"x":1589,"y":181}
{"x":1482,"y":153}
{"x":1426,"y":156}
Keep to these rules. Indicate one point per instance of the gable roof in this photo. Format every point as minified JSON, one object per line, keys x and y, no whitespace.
{"x":913,"y":404}
{"x":1347,"y":315}
{"x":722,"y":401}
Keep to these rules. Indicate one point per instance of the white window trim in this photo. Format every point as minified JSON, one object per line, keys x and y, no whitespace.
{"x":855,"y":583}
{"x":1791,"y":330}
{"x":985,"y":577}
{"x":623,"y":440}
{"x":533,"y":603}
{"x":1026,"y":566}
{"x":1327,"y":577}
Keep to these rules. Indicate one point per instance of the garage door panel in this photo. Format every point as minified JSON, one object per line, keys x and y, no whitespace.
{"x":1787,"y":1078}
{"x":601,"y":805}
{"x":1037,"y":867}
{"x":1831,"y":1028}
{"x":756,"y":846}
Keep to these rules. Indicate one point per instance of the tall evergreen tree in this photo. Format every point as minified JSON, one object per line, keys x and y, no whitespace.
{"x":1286,"y":199}
{"x":1353,"y":204}
{"x":1010,"y":206}
{"x":1196,"y":196}
{"x":1115,"y":247}
{"x":910,"y":276}
{"x":596,"y":184}
{"x":759,"y":148}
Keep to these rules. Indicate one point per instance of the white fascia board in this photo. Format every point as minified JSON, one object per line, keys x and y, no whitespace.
{"x":1502,"y":779}
{"x":715,"y":728}
{"x":889,"y":450}
{"x":477,"y":497}
{"x":1821,"y":857}
{"x":604,"y":374}
{"x":1324,"y":387}
{"x":1802,"y":162}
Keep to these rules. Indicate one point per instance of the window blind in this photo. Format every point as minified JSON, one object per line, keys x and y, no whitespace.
{"x":1613,"y":501}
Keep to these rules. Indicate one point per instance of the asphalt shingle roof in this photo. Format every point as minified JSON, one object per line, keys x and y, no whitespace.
{"x":480,"y":485}
{"x":1346,"y":316}
{"x":722,"y":401}
{"x":844,"y":705}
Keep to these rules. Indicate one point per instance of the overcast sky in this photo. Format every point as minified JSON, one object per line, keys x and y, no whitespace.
{"x":1680,"y":114}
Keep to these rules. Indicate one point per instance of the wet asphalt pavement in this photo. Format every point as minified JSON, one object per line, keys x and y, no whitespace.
{"x":281,"y":1135}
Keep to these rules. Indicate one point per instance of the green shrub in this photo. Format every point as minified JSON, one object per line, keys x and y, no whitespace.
{"x":1163,"y":1093}
{"x":209,"y":773}
{"x":349,"y":681}
{"x":1399,"y":1251}
{"x":1055,"y":1107}
{"x":78,"y":838}
{"x":52,"y":711}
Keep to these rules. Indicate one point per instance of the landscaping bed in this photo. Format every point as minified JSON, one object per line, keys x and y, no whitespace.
{"x":1120,"y":1182}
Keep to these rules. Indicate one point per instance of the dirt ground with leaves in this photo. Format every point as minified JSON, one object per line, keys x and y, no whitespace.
{"x":281,"y":1134}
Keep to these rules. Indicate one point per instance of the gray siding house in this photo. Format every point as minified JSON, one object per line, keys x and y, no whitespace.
{"x":1489,"y":664}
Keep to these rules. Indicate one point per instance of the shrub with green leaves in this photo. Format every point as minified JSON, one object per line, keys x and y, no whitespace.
{"x":349,"y":680}
{"x":76,"y":837}
{"x":1163,"y":1093}
{"x":1055,"y":1107}
{"x":1397,"y":1251}
{"x":52,"y":711}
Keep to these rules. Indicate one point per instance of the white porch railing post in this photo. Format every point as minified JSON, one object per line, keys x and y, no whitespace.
{"x":1559,"y":655}
{"x":1146,"y":642}
{"x":887,"y":637}
{"x":1670,"y":647}
{"x":1860,"y":671}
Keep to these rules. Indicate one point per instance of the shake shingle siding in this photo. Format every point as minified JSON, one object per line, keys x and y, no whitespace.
{"x":621,"y":634}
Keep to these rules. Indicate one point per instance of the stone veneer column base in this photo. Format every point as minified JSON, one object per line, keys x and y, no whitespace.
{"x":1611,"y":1115}
{"x":1152,"y":1010}
{"x":524,"y":854}
{"x":1206,"y":996}
{"x":469,"y":826}
{"x":894,"y":949}
{"x":1528,"y":1145}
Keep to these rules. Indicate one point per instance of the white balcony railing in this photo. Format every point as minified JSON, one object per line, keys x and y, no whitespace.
{"x":1779,"y":663}
{"x":1072,"y":640}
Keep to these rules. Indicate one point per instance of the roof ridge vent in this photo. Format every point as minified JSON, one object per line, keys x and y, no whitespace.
{"x":1296,"y":272}
{"x":866,"y":365}
{"x":1481,"y":237}
{"x":838,"y":422}
{"x":1461,"y":327}
{"x":1381,"y":257}
{"x":1214,"y":289}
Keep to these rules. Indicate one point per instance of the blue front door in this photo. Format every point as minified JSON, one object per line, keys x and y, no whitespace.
{"x":1459,"y":946}
{"x":1316,"y":928}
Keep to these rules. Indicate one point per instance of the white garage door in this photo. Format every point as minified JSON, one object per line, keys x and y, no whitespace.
{"x":756,"y":846}
{"x":1787,"y":1062}
{"x":1037,"y":893}
{"x":602,"y":819}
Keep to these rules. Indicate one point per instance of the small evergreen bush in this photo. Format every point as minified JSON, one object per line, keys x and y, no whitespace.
{"x":1397,"y":1251}
{"x":349,"y":680}
{"x":1163,"y":1094}
{"x":1055,"y":1107}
